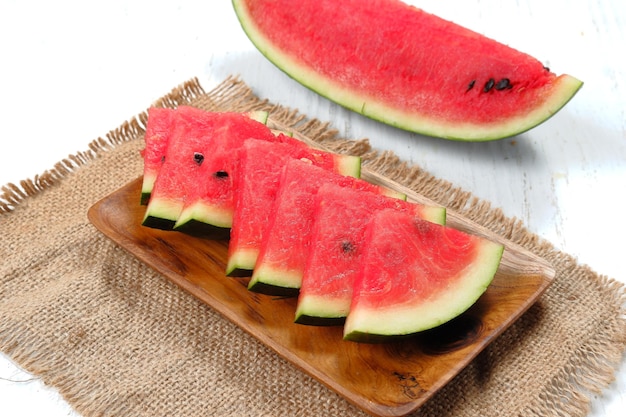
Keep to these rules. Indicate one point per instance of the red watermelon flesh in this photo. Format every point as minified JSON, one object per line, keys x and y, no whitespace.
{"x":156,"y":138}
{"x":260,"y":167}
{"x":285,"y":245}
{"x":196,"y":137}
{"x":416,"y":275}
{"x":341,"y":217}
{"x":405,"y":67}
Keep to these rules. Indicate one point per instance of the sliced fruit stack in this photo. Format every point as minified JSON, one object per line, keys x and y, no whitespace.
{"x":301,"y":222}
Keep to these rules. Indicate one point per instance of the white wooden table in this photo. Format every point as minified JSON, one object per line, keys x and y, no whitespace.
{"x":70,"y":71}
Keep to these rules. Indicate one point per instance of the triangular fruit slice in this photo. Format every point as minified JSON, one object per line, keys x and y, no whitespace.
{"x":193,"y":144}
{"x":160,"y":127}
{"x":415,"y":276}
{"x":158,"y":130}
{"x":210,"y":203}
{"x":261,"y":165}
{"x":340,"y":219}
{"x":285,"y":244}
{"x":400,"y":65}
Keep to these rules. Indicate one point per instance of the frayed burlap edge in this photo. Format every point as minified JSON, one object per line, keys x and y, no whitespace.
{"x":13,"y":194}
{"x":231,"y":94}
{"x":567,"y":393}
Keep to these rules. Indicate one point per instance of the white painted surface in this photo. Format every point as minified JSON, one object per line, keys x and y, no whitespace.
{"x":70,"y":71}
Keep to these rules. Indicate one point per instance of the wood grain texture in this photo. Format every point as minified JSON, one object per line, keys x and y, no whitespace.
{"x":390,"y":379}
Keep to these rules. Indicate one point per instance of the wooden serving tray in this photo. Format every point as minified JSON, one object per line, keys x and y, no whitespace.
{"x":390,"y":379}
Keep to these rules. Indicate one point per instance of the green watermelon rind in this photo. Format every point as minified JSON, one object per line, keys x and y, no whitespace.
{"x":270,"y":280}
{"x":241,"y":262}
{"x":382,"y":324}
{"x":349,"y":165}
{"x":563,"y":91}
{"x":146,"y":187}
{"x":435,"y":214}
{"x":319,"y":310}
{"x":394,"y":194}
{"x":201,"y":217}
{"x":259,"y":115}
{"x":162,"y":213}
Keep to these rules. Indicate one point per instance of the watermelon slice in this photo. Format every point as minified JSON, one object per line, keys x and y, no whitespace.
{"x":210,"y":203}
{"x":261,"y":165}
{"x":158,"y":130}
{"x":198,"y":141}
{"x":285,"y":244}
{"x":416,"y":275}
{"x":400,"y":65}
{"x":341,"y":217}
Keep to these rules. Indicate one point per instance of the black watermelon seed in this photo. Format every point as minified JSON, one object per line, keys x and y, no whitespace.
{"x":503,"y":84}
{"x":347,"y":246}
{"x":489,"y":85}
{"x":221,"y":174}
{"x":471,"y":85}
{"x":163,"y":159}
{"x":546,"y":68}
{"x":198,"y":158}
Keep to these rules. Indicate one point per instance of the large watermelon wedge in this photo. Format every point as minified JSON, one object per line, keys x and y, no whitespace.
{"x":400,"y":65}
{"x":286,"y":240}
{"x":260,"y":167}
{"x":416,"y":275}
{"x":341,"y":216}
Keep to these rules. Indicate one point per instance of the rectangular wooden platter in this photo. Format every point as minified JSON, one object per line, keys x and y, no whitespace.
{"x":389,"y":379}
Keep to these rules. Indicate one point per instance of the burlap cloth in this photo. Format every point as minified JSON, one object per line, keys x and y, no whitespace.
{"x":117,"y":339}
